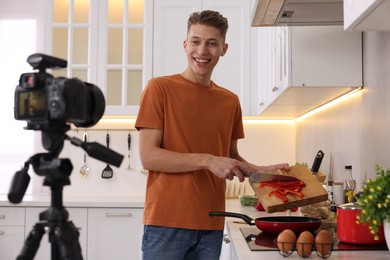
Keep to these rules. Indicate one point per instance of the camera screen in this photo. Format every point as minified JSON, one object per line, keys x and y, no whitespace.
{"x":31,"y":105}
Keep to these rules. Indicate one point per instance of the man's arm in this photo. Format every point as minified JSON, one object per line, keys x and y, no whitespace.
{"x":153,"y":157}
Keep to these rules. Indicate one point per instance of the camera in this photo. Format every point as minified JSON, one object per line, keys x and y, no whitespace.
{"x":43,"y":100}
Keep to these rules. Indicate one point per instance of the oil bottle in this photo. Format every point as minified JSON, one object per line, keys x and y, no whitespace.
{"x":349,"y":185}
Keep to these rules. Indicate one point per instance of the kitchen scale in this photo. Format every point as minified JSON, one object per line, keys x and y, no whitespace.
{"x":262,"y":241}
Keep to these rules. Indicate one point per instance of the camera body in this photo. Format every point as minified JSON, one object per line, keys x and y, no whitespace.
{"x":41,"y":99}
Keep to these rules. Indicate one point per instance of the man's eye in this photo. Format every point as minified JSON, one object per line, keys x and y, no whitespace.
{"x":195,"y":42}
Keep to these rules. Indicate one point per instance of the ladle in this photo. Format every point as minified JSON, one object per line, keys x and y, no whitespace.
{"x":84,"y":170}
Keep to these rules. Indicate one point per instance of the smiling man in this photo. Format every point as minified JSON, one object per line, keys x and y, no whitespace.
{"x":188,"y":128}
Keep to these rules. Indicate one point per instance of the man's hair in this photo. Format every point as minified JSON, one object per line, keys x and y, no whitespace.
{"x":210,"y":18}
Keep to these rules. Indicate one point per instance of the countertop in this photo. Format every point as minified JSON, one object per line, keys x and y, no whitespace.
{"x":241,"y":250}
{"x":81,"y":201}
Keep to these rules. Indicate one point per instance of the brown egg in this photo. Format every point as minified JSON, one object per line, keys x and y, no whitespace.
{"x":305,"y":243}
{"x":324,"y":242}
{"x":286,"y":240}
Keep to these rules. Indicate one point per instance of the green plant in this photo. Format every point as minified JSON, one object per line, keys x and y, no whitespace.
{"x":302,"y":164}
{"x":374,"y":199}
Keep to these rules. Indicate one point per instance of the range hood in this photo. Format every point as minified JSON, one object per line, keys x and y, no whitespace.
{"x":297,"y":12}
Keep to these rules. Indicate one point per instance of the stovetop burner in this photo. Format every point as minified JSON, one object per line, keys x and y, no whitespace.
{"x":261,"y":241}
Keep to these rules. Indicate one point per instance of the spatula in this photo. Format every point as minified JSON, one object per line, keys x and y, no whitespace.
{"x":107,"y":172}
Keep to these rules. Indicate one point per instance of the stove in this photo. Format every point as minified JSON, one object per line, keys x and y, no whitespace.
{"x":261,"y":241}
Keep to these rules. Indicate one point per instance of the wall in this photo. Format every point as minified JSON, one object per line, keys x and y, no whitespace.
{"x":355,"y":132}
{"x":266,"y":142}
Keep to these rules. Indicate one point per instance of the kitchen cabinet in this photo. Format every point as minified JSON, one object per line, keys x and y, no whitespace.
{"x":368,"y":15}
{"x":170,"y":30}
{"x":303,"y":67}
{"x":107,"y":43}
{"x":105,"y":233}
{"x":114,"y":233}
{"x":77,"y":215}
{"x":11,"y":231}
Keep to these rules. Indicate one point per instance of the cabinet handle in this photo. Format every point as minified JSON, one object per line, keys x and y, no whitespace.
{"x":2,"y":232}
{"x":2,"y":216}
{"x":118,"y":215}
{"x":274,"y":89}
{"x":261,"y":104}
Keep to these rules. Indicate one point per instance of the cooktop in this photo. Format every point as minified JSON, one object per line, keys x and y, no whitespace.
{"x":261,"y":241}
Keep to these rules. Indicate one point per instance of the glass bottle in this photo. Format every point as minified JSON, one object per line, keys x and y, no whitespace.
{"x":349,"y":185}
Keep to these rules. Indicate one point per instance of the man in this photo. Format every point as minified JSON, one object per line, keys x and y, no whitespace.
{"x":188,"y":128}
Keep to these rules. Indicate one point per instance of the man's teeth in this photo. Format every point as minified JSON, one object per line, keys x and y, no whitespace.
{"x":202,"y":60}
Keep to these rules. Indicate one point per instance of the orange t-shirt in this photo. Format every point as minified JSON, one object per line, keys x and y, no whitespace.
{"x":194,"y":119}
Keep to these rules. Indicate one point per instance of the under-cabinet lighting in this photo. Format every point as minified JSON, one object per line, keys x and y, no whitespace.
{"x":338,"y":100}
{"x":248,"y":120}
{"x":128,"y":122}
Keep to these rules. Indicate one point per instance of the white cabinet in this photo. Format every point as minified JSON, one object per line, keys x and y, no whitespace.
{"x":302,"y":67}
{"x":11,"y":231}
{"x":77,"y":215}
{"x":367,"y":15}
{"x":114,"y":233}
{"x":170,"y":30}
{"x":107,"y":43}
{"x":105,"y":233}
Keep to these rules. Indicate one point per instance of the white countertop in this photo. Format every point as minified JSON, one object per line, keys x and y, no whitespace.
{"x":241,"y":250}
{"x":78,"y":201}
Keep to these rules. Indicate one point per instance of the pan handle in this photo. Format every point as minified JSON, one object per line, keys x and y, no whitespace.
{"x":244,"y":217}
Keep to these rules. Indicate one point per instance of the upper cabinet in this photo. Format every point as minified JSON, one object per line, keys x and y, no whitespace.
{"x":367,"y":15}
{"x":107,"y":43}
{"x":303,"y":67}
{"x":170,"y":31}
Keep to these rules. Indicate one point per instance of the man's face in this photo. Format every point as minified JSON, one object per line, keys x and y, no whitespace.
{"x":203,"y":46}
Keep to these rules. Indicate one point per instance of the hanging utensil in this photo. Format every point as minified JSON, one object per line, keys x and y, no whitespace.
{"x":84,"y":170}
{"x":107,"y":172}
{"x":129,"y":156}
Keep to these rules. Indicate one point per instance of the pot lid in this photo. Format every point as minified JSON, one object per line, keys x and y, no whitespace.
{"x":350,"y":206}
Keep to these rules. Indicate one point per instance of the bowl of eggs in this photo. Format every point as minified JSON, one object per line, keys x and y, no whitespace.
{"x":305,"y":243}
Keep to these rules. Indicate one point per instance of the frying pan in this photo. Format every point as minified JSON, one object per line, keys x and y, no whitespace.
{"x":275,"y":224}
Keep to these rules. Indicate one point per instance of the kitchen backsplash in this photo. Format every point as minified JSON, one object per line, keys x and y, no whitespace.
{"x":355,"y":132}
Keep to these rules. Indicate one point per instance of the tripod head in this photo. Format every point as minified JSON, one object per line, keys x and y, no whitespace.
{"x":56,"y":170}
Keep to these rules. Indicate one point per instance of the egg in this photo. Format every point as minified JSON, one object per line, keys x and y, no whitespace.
{"x":323,"y":242}
{"x":286,"y":240}
{"x":305,"y":243}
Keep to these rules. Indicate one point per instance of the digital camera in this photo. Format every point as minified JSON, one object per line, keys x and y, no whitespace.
{"x":41,"y":99}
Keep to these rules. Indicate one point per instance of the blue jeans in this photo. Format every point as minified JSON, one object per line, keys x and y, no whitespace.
{"x":165,"y":243}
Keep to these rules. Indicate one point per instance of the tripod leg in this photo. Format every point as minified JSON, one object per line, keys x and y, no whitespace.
{"x":66,"y":241}
{"x":32,"y":242}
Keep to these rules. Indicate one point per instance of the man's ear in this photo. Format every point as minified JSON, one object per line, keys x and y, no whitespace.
{"x":185,"y":45}
{"x":225,"y":48}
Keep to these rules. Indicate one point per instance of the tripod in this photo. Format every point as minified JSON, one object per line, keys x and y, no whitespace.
{"x":63,"y":235}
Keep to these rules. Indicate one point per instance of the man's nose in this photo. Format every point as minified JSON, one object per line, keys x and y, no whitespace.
{"x":202,"y":48}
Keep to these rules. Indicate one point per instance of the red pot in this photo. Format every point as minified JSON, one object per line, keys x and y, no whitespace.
{"x":349,"y":231}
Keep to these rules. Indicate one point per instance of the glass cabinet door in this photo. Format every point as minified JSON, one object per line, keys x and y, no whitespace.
{"x":105,"y":43}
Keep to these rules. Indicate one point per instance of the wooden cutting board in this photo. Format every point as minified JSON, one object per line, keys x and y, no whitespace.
{"x":313,"y":191}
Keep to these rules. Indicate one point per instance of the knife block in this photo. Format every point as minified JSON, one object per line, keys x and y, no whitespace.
{"x":320,"y":177}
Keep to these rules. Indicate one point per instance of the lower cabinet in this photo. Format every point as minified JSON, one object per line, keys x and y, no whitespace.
{"x":114,"y":233}
{"x":11,"y":231}
{"x":77,"y":215}
{"x":105,"y":233}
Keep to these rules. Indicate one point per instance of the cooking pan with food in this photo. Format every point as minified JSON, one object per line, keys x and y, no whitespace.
{"x":275,"y":224}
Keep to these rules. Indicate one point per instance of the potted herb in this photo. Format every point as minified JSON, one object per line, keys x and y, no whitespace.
{"x":374,"y":199}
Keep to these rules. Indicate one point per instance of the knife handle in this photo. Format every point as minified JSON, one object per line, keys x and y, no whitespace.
{"x":317,"y":161}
